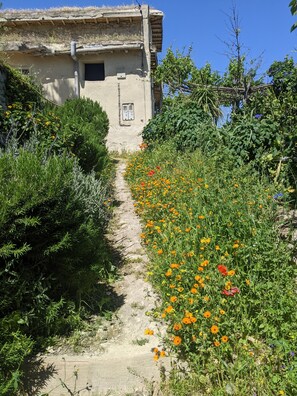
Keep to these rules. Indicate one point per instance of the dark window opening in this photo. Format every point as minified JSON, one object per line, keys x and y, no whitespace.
{"x":94,"y":72}
{"x":24,"y":71}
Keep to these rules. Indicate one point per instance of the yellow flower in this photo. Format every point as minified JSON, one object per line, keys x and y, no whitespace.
{"x":222,"y":312}
{"x":173,"y":299}
{"x":217,"y":343}
{"x":160,"y":251}
{"x":217,"y":247}
{"x":248,"y":282}
{"x":231,"y":273}
{"x":162,"y":354}
{"x":235,"y":246}
{"x":193,"y":290}
{"x":148,"y":332}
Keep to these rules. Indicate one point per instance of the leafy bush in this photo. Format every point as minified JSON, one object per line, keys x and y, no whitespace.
{"x":22,"y":122}
{"x":20,"y":88}
{"x":225,"y":276}
{"x":178,"y":120}
{"x":52,"y":247}
{"x":251,"y":139}
{"x":84,"y":129}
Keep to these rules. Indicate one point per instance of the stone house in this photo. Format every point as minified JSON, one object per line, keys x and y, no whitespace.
{"x":103,"y":53}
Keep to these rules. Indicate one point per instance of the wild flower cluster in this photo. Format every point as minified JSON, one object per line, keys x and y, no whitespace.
{"x":224,"y":274}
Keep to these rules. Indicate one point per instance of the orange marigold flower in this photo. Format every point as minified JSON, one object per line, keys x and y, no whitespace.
{"x":173,"y":252}
{"x":198,"y":278}
{"x":222,"y":312}
{"x":193,"y":290}
{"x":156,"y":357}
{"x":169,"y":309}
{"x":168,"y":273}
{"x":217,"y":343}
{"x":177,"y":340}
{"x":163,"y":315}
{"x":193,"y":319}
{"x":207,"y":314}
{"x":224,"y":339}
{"x":160,"y":251}
{"x":173,"y":299}
{"x":214,"y":329}
{"x":172,"y":286}
{"x":186,"y":320}
{"x":180,"y":289}
{"x":162,"y":354}
{"x":235,"y":246}
{"x":200,"y":269}
{"x":177,"y":326}
{"x":191,"y":300}
{"x":201,"y":217}
{"x":204,"y":263}
{"x":174,"y":265}
{"x":206,"y":298}
{"x":231,"y":272}
{"x":155,"y":350}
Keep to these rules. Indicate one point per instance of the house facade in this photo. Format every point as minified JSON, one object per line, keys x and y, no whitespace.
{"x":106,"y":54}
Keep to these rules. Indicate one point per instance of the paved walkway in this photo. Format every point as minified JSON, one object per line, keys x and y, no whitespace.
{"x":125,"y":362}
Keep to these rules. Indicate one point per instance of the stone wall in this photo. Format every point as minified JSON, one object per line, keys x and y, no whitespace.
{"x":89,"y":33}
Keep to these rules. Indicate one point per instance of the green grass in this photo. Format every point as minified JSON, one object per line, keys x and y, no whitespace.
{"x":226,"y":278}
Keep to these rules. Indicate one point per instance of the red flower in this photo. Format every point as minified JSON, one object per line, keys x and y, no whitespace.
{"x":223,"y":269}
{"x":231,"y":292}
{"x":158,"y":167}
{"x":151,"y":173}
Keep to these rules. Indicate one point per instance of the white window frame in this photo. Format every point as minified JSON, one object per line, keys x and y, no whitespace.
{"x":128,"y":113}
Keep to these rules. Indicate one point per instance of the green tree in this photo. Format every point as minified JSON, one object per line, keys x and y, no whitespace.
{"x":293,"y":8}
{"x":179,"y":75}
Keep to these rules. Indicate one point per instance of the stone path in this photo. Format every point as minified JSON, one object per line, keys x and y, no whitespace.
{"x":124,"y":364}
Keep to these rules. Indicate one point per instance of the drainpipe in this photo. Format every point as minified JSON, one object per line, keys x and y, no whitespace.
{"x":76,"y":69}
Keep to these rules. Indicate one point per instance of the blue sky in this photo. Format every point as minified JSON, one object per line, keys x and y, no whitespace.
{"x":203,"y":24}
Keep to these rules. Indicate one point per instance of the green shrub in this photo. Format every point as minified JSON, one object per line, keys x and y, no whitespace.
{"x":20,"y":88}
{"x":52,"y":247}
{"x":179,"y":118}
{"x":84,"y":129}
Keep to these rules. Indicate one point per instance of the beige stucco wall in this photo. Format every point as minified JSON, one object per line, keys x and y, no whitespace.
{"x":56,"y":73}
